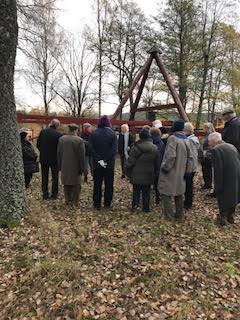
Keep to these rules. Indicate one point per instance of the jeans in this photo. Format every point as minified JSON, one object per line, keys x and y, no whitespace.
{"x":101,"y":175}
{"x":168,"y":208}
{"x":45,"y":174}
{"x":72,"y":194}
{"x":189,"y":191}
{"x":137,"y":190}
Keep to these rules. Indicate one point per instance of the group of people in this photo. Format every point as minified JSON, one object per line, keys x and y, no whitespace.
{"x":162,"y":161}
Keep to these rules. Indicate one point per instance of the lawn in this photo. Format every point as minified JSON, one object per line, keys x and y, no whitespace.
{"x":63,"y":263}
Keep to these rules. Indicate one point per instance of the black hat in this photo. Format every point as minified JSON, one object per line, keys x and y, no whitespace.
{"x":178,"y":125}
{"x":144,"y":134}
{"x":73,"y":127}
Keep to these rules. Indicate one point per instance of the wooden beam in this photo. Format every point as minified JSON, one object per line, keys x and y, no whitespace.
{"x":170,"y":85}
{"x":140,"y":90}
{"x":132,"y":87}
{"x":157,"y":107}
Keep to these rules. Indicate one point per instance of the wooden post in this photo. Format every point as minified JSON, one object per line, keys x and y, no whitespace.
{"x":132,"y":87}
{"x":170,"y":85}
{"x":140,"y":90}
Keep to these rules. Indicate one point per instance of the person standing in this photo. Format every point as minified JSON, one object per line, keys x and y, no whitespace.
{"x":47,"y":143}
{"x":30,"y":163}
{"x":231,"y":131}
{"x":205,"y":157}
{"x":87,"y":131}
{"x":103,"y":146}
{"x":142,"y":168}
{"x":157,"y":141}
{"x":227,"y":177}
{"x":194,"y":146}
{"x":71,"y":162}
{"x":175,"y":164}
{"x":125,"y":142}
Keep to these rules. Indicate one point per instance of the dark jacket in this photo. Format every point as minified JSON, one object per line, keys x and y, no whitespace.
{"x":231,"y":133}
{"x":102,"y":146}
{"x":29,"y":157}
{"x":143,"y":163}
{"x":47,"y":145}
{"x":85,"y":138}
{"x":157,"y":141}
{"x":227,"y":175}
{"x":121,"y":142}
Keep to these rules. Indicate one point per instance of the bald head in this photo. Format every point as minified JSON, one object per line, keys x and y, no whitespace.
{"x":214,"y":138}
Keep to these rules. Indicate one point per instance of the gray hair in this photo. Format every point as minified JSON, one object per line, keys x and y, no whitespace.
{"x":188,"y":127}
{"x":55,"y":123}
{"x":215,"y":137}
{"x":210,"y":127}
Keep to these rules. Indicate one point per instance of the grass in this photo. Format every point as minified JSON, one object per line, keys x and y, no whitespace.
{"x":63,"y":263}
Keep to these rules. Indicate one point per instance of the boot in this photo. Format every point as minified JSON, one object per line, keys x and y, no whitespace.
{"x":220,"y":220}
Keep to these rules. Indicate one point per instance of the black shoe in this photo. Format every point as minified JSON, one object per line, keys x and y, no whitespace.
{"x":146,"y":210}
{"x":46,"y":198}
{"x":53,"y":197}
{"x":230,"y":220}
{"x":206,"y":187}
{"x":123,"y":176}
{"x":107,"y":206}
{"x":212,"y":195}
{"x":97,"y":207}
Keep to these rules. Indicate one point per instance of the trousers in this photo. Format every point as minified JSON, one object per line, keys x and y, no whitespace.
{"x":189,"y":191}
{"x":72,"y":194}
{"x":137,"y":190}
{"x":168,"y":207}
{"x":45,"y":175}
{"x":100,"y":176}
{"x":207,"y":170}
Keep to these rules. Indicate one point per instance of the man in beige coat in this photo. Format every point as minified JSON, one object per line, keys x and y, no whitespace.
{"x":71,"y":160}
{"x":174,"y":168}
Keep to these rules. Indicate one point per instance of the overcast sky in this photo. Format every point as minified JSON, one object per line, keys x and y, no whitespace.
{"x":72,"y":16}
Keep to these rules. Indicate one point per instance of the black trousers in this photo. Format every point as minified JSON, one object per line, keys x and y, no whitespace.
{"x":137,"y":190}
{"x":45,"y":175}
{"x":207,"y":170}
{"x":189,"y":191}
{"x":100,"y":176}
{"x":123,"y":164}
{"x":28,"y":178}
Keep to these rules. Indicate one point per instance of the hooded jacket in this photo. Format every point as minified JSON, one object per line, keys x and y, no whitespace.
{"x":143,"y":163}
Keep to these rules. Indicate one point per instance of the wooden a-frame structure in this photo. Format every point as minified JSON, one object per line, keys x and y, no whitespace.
{"x":155,"y":54}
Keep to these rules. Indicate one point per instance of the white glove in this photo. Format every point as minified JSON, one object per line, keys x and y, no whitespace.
{"x":102,"y":163}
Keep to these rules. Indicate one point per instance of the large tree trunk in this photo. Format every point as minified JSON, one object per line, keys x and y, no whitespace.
{"x":12,"y":190}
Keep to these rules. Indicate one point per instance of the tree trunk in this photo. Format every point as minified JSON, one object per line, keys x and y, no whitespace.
{"x":12,"y":190}
{"x":201,"y":100}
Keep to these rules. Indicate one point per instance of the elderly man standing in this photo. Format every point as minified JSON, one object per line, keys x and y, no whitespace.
{"x":125,"y":142}
{"x":175,"y":164}
{"x":226,"y":165}
{"x":71,"y":160}
{"x":47,"y":145}
{"x":231,"y":131}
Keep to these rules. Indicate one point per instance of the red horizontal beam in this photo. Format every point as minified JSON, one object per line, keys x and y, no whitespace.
{"x":157,"y":107}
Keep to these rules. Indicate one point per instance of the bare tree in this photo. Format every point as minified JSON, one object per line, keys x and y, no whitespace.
{"x":12,"y":193}
{"x":77,"y":74}
{"x":41,"y":43}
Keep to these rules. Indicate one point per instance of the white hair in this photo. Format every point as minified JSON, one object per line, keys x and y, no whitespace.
{"x":210,"y":127}
{"x":188,"y":127}
{"x":125,"y":126}
{"x":157,"y":124}
{"x":214,"y":138}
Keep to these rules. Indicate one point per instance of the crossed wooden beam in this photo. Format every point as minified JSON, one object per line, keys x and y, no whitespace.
{"x":155,"y":54}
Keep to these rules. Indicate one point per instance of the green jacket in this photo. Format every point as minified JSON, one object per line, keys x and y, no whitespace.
{"x":143,"y":163}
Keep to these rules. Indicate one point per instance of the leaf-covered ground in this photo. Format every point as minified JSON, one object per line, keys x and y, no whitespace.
{"x":84,"y":264}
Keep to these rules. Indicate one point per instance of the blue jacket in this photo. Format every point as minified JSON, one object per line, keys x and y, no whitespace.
{"x":102,"y":146}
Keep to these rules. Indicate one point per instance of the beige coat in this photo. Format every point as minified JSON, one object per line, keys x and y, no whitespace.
{"x":176,"y":161}
{"x":71,"y":159}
